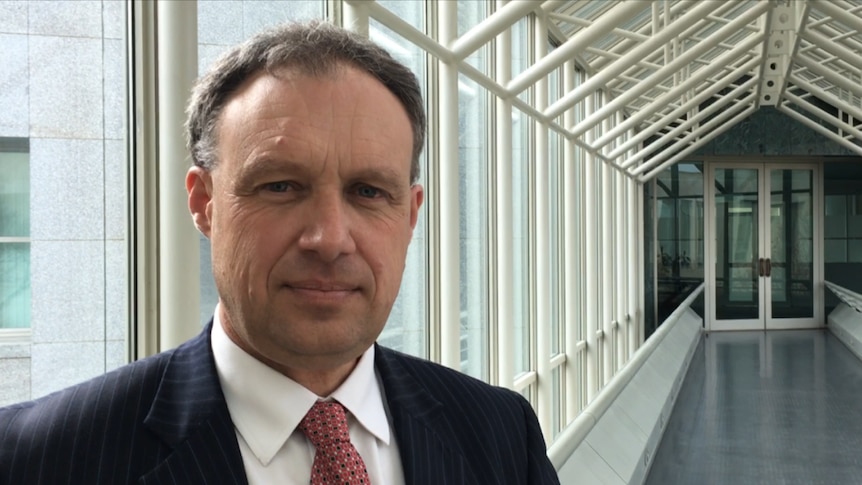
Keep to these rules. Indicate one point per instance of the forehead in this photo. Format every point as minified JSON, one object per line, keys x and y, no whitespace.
{"x":344,"y":110}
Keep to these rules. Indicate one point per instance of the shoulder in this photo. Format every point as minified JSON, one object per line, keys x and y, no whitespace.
{"x":89,"y":407}
{"x":453,"y":388}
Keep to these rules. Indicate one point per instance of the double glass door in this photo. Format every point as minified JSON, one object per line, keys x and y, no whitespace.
{"x":763,"y":247}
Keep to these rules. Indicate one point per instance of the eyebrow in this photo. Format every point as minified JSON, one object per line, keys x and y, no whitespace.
{"x":262,"y":166}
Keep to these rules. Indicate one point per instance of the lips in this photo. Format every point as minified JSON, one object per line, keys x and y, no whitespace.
{"x":322,"y":286}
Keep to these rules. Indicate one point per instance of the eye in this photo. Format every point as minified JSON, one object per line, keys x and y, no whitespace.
{"x":369,"y":192}
{"x":280,"y":186}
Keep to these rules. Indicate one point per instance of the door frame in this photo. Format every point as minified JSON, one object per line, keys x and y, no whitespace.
{"x":765,"y":321}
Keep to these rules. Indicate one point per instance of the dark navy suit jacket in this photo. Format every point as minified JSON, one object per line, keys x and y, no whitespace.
{"x":163,"y":420}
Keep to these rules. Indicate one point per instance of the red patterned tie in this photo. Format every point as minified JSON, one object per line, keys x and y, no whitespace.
{"x":336,"y":460}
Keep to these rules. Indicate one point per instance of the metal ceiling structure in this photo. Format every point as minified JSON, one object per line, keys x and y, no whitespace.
{"x":675,"y":74}
{"x":683,"y":72}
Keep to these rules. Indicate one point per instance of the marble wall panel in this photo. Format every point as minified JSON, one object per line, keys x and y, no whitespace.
{"x":14,"y":84}
{"x":59,"y":365}
{"x":13,"y":16}
{"x":65,"y":87}
{"x":220,"y":22}
{"x":67,"y":200}
{"x":14,"y":379}
{"x":68,"y":291}
{"x":114,"y":19}
{"x":260,"y":15}
{"x":79,"y":18}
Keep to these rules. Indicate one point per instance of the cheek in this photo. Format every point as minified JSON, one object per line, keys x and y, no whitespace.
{"x":246,"y":244}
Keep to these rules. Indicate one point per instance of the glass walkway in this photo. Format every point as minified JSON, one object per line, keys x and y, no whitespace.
{"x":777,"y":407}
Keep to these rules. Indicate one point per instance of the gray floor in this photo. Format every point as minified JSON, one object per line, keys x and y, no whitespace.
{"x":779,"y":407}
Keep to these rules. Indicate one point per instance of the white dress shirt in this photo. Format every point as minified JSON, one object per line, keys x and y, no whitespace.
{"x":267,"y":406}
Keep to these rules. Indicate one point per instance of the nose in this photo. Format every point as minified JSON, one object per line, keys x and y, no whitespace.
{"x":327,"y":230}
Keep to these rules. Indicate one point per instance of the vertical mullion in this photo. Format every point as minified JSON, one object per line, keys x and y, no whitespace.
{"x":607,"y":268}
{"x":621,"y":242}
{"x":448,"y":284}
{"x":591,"y":267}
{"x":179,"y":258}
{"x":542,"y":242}
{"x":355,"y":17}
{"x":502,"y":204}
{"x":571,"y":285}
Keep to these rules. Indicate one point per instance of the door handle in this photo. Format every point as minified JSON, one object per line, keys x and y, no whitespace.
{"x":762,"y":267}
{"x":768,"y":267}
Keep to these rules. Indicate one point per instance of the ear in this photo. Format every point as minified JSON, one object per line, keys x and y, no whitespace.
{"x":417,"y":196}
{"x":200,"y":188}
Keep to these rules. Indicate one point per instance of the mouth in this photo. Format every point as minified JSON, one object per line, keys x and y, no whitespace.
{"x":322,"y":291}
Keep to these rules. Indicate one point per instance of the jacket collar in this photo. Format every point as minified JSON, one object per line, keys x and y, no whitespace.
{"x":190,"y":415}
{"x":430,"y":450}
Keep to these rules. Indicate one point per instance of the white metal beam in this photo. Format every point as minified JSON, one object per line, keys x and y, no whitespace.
{"x":853,"y":111}
{"x":396,"y":23}
{"x":572,"y":269}
{"x":676,"y":114}
{"x":693,"y":82}
{"x":606,"y":23}
{"x":608,"y":73}
{"x":840,"y":11}
{"x":487,"y":29}
{"x":541,"y":237}
{"x":820,"y":129}
{"x":673,"y":66}
{"x":691,"y":123}
{"x":704,"y":131}
{"x":830,"y":75}
{"x":502,"y":250}
{"x":838,"y":50}
{"x":179,"y":249}
{"x":448,"y":184}
{"x":825,"y":116}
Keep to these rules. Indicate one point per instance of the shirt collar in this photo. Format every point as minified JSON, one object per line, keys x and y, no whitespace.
{"x":267,"y":406}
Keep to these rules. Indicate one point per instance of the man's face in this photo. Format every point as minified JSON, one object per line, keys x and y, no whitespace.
{"x":309,"y":210}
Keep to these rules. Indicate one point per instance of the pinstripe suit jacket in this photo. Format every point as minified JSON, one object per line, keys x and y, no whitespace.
{"x":164,"y":420}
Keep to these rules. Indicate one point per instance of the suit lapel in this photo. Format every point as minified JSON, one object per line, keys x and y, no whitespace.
{"x":429,"y":448}
{"x":190,"y":415}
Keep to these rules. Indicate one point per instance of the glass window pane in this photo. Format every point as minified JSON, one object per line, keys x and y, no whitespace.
{"x":470,"y":13}
{"x":555,"y":202}
{"x":14,"y":192}
{"x":14,"y":286}
{"x":557,"y":394}
{"x":473,"y":174}
{"x":520,"y":230}
{"x":410,"y":11}
{"x":63,"y":263}
{"x":407,"y":327}
{"x":222,"y":25}
{"x":736,"y":209}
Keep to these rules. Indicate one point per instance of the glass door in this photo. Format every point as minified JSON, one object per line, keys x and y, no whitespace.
{"x":762,"y":247}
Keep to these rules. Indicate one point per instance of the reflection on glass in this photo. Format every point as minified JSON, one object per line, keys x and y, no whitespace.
{"x":520,"y":232}
{"x":842,"y":215}
{"x":556,"y":401}
{"x":473,"y":173}
{"x":14,"y":233}
{"x":679,"y":235}
{"x":736,"y":266}
{"x":792,"y":252}
{"x":406,"y":329}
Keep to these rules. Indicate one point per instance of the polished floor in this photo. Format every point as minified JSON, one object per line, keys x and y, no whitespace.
{"x":778,"y":407}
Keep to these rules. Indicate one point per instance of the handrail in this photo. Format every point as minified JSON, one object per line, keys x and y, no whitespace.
{"x":850,"y":297}
{"x":575,"y":433}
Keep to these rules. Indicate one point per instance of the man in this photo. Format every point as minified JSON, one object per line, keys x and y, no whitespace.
{"x":305,"y":142}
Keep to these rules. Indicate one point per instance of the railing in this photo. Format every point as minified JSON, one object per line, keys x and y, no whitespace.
{"x":571,"y":437}
{"x":851,"y":298}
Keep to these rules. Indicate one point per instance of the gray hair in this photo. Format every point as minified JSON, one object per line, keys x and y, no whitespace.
{"x":316,"y":49}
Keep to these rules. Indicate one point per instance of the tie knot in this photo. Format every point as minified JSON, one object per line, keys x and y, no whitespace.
{"x":325,"y":422}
